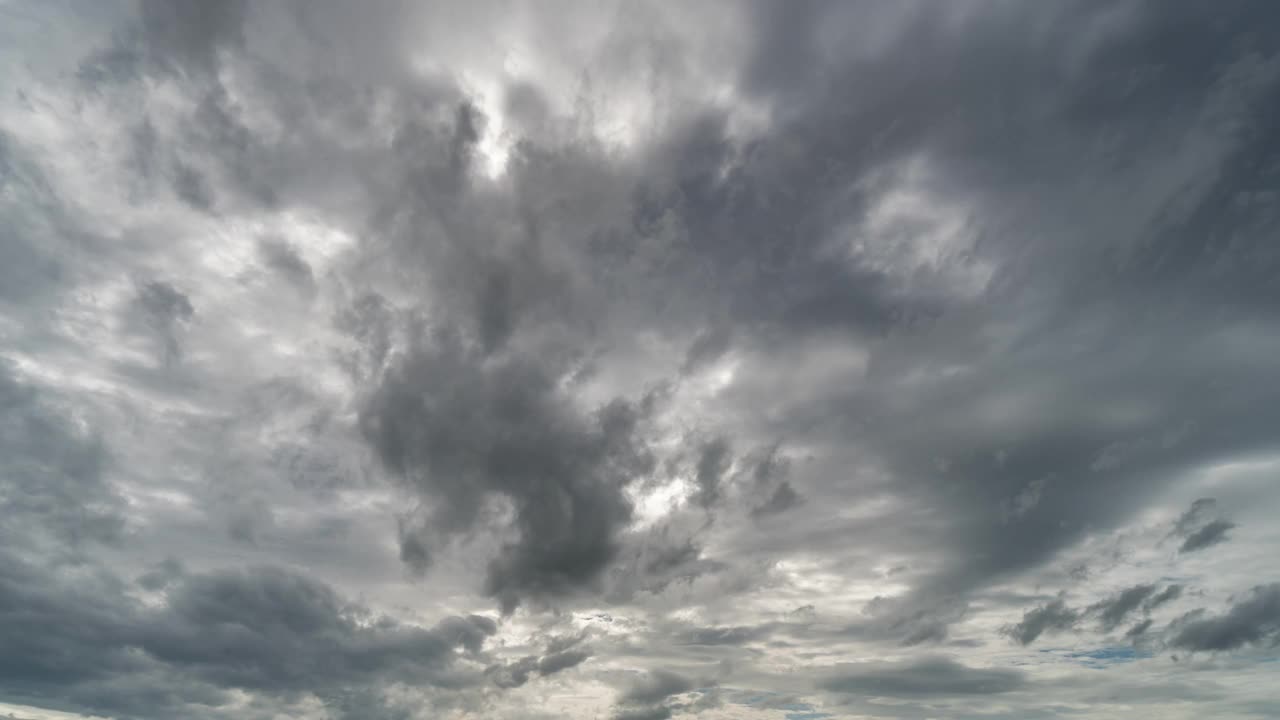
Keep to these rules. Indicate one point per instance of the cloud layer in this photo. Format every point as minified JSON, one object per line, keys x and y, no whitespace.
{"x":638,"y":360}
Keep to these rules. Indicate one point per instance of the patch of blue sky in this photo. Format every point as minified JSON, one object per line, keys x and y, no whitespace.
{"x":794,"y":710}
{"x":1099,"y":658}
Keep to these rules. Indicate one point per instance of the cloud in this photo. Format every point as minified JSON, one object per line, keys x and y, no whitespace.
{"x":505,"y":430}
{"x":652,"y":713}
{"x":1212,"y":533}
{"x":557,"y":662}
{"x":516,"y":674}
{"x":650,"y":696}
{"x":165,"y":309}
{"x":329,"y":329}
{"x":1169,"y":594}
{"x":1053,"y":616}
{"x":934,"y":676}
{"x":52,"y":473}
{"x":1139,"y":629}
{"x":1114,"y":610}
{"x":714,"y":459}
{"x":1200,"y":527}
{"x":737,"y":635}
{"x":656,"y":686}
{"x":263,"y":629}
{"x":1254,"y":619}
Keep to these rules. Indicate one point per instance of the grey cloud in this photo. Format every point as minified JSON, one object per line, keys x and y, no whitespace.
{"x":512,"y":675}
{"x":707,"y":347}
{"x":262,"y":629}
{"x":1053,"y":616}
{"x":1253,"y":620}
{"x":1211,"y":534}
{"x":1201,"y":526}
{"x":1200,"y":512}
{"x":1114,"y":610}
{"x":973,"y":152}
{"x":413,"y":551}
{"x":656,"y":686}
{"x":52,"y":472}
{"x":189,"y":32}
{"x":272,"y":629}
{"x":907,"y":621}
{"x":770,"y":477}
{"x":736,"y":635}
{"x":961,"y":258}
{"x":926,"y":677}
{"x":557,"y":662}
{"x":1139,"y":629}
{"x":503,"y":431}
{"x":1169,"y":594}
{"x":784,"y":498}
{"x":651,"y":713}
{"x":165,"y":309}
{"x":192,"y":187}
{"x":164,"y":302}
{"x":162,"y":574}
{"x":516,"y":674}
{"x":284,"y":259}
{"x":714,"y":459}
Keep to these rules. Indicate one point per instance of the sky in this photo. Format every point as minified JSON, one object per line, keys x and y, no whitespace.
{"x":605,"y":360}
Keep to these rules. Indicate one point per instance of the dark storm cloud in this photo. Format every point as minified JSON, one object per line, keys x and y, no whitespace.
{"x":1253,"y":620}
{"x":1011,"y":126}
{"x":1054,"y":616}
{"x":51,"y":472}
{"x":501,"y":430}
{"x":926,"y":677}
{"x":1069,"y":309}
{"x":262,"y":629}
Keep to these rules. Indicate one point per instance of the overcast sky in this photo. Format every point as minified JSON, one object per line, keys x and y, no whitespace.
{"x":626,"y":361}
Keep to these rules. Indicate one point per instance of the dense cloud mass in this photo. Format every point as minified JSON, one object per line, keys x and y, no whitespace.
{"x":792,"y":360}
